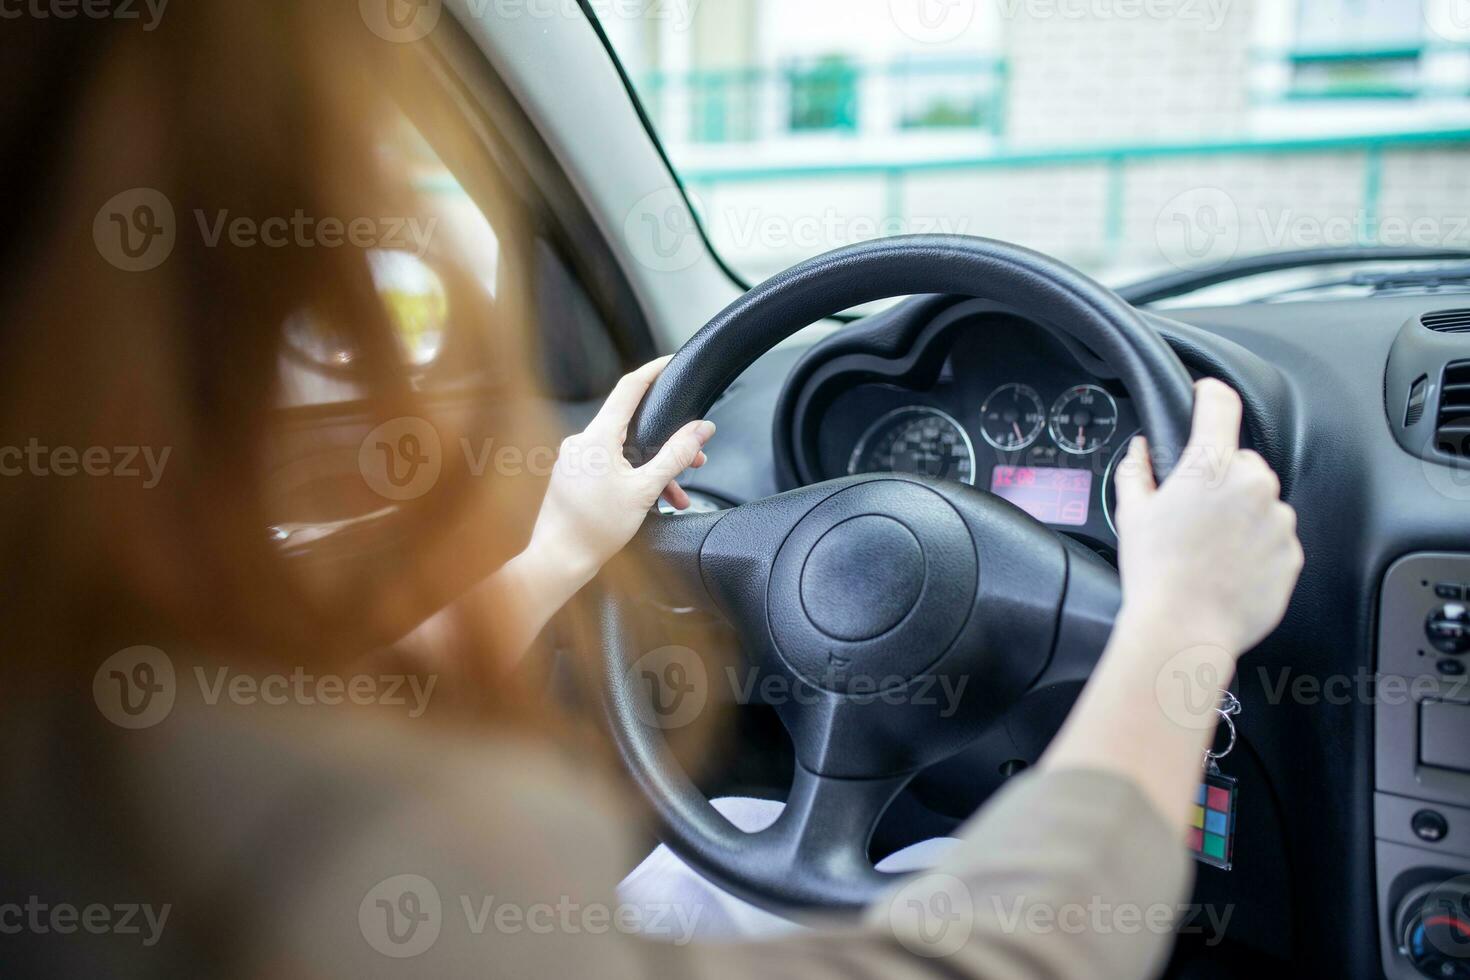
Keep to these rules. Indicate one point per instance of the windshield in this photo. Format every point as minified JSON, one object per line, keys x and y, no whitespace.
{"x":1126,"y":137}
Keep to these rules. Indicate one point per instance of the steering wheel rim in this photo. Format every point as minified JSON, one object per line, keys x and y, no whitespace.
{"x":981,"y":580}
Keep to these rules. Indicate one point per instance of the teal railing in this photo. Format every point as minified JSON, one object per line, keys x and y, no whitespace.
{"x":1114,"y":159}
{"x":830,"y":94}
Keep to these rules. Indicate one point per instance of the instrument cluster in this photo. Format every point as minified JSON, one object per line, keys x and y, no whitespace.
{"x":1012,"y":412}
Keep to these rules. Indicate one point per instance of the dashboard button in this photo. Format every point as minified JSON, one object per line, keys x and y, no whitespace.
{"x":1448,"y":628}
{"x":1444,"y":735}
{"x":1448,"y":590}
{"x":1429,"y":825}
{"x":1450,"y":668}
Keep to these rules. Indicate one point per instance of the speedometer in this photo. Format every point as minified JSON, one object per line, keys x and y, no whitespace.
{"x":923,"y":441}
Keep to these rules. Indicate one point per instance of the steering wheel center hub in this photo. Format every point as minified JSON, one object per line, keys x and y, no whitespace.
{"x":872,"y":587}
{"x":862,"y":578}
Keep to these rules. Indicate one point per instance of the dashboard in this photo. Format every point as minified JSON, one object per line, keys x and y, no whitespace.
{"x":1336,"y":395}
{"x":992,"y":400}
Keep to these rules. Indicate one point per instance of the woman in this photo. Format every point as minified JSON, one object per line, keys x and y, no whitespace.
{"x":236,"y":835}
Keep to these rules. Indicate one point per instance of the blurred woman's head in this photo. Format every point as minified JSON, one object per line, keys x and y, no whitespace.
{"x":141,"y":334}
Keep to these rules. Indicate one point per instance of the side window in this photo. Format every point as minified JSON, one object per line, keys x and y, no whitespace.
{"x":586,"y":327}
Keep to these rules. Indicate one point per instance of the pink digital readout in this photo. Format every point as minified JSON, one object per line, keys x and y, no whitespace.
{"x":1051,"y":495}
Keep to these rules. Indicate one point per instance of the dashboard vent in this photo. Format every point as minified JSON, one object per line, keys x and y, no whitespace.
{"x":1452,"y":424}
{"x":1447,"y":321}
{"x":1418,"y":394}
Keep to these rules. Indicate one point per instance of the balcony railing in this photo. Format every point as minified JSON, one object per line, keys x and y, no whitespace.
{"x":830,"y":95}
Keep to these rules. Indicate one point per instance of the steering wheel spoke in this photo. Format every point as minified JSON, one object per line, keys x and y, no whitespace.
{"x":821,"y":838}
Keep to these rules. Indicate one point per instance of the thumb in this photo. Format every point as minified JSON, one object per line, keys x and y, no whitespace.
{"x":677,"y":455}
{"x":1134,"y":478}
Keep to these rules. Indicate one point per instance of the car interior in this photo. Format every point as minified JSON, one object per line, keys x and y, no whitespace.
{"x":917,"y":433}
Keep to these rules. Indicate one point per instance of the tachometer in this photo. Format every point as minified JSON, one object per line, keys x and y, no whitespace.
{"x":1012,"y":417}
{"x":924,"y":441}
{"x":1083,"y":419}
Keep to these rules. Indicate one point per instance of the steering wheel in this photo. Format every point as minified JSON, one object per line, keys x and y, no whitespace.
{"x":859,"y":598}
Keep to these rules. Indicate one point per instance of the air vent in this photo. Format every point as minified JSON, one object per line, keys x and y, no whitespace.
{"x":1447,"y":321}
{"x":1418,"y":393}
{"x":1452,"y":424}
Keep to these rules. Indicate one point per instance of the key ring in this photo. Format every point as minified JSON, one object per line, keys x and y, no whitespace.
{"x":1229,"y":707}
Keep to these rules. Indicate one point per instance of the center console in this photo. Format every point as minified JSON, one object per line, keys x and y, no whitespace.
{"x":1422,"y":767}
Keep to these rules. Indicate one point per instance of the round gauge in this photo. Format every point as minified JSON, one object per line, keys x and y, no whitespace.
{"x":1012,"y":417}
{"x":1110,"y":488}
{"x":923,"y":441}
{"x":1084,"y":419}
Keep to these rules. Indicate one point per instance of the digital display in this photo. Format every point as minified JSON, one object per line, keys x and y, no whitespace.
{"x":1049,"y":494}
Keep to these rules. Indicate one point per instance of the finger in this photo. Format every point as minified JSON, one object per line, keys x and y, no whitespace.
{"x":699,"y":461}
{"x":1217,"y":413}
{"x":626,"y":396}
{"x":675,"y":496}
{"x":1134,"y":479}
{"x":678,"y":454}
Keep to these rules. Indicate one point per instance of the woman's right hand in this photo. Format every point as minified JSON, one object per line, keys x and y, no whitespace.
{"x":1212,"y":556}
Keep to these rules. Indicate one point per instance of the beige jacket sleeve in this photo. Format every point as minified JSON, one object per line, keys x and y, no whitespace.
{"x":508,"y":869}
